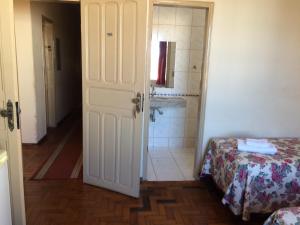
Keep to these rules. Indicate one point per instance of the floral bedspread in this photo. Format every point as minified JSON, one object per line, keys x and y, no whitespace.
{"x":253,"y":182}
{"x":286,"y":216}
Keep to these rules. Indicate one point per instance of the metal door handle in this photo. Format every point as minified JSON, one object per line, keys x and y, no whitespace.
{"x":9,"y":114}
{"x":139,"y":103}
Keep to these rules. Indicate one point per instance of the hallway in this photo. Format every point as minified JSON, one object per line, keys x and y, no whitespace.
{"x":58,"y":155}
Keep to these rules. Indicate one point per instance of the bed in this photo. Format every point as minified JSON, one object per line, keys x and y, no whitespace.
{"x":286,"y":216}
{"x":252,"y":182}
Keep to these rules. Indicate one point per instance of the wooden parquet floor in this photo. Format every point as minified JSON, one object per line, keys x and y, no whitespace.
{"x":70,"y":202}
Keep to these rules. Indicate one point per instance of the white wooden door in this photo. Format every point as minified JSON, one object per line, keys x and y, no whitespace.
{"x":114,"y":58}
{"x":10,"y":140}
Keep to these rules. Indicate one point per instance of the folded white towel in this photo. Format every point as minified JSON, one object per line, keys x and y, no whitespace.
{"x":257,"y":142}
{"x":244,"y":147}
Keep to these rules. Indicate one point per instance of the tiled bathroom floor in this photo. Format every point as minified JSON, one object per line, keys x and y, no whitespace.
{"x":170,"y":165}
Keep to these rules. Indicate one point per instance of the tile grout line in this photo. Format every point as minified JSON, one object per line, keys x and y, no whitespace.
{"x":153,"y":167}
{"x":177,"y":165}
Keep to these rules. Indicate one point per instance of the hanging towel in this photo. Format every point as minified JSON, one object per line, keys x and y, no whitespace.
{"x":244,"y":147}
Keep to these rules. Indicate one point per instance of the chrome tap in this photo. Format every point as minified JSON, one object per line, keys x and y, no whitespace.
{"x":152,"y":90}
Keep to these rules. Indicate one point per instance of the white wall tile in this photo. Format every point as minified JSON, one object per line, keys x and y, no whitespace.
{"x":196,"y":61}
{"x":199,"y":17}
{"x":154,"y":35}
{"x":177,"y":127}
{"x":194,"y":84}
{"x":167,"y":15}
{"x":189,"y":142}
{"x":162,"y":128}
{"x":192,"y":108}
{"x":197,"y":38}
{"x":196,"y":77}
{"x":184,"y":16}
{"x":183,"y":37}
{"x":166,"y":33}
{"x":150,"y":143}
{"x":179,"y":112}
{"x":151,"y":129}
{"x":182,"y":60}
{"x":181,"y":81}
{"x":155,"y":14}
{"x":190,"y":128}
{"x":161,"y":90}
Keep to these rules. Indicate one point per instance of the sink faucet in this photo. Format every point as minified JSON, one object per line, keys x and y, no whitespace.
{"x":152,"y":90}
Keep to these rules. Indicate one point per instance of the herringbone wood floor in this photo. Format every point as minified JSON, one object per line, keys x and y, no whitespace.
{"x":70,"y":202}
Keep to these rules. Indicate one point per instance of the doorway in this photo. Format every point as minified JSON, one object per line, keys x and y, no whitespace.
{"x":177,"y":53}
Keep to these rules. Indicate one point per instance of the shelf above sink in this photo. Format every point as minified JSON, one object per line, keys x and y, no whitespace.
{"x":164,"y":102}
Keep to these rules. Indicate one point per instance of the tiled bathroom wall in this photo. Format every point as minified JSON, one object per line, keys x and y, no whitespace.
{"x":186,"y":27}
{"x":176,"y":128}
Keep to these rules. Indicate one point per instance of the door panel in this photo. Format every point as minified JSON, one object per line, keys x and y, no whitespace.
{"x":129,"y":43}
{"x":93,"y":44}
{"x":114,"y":58}
{"x":111,"y":41}
{"x":10,"y":140}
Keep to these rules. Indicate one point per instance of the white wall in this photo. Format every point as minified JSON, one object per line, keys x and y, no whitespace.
{"x":254,"y":70}
{"x":27,"y":92}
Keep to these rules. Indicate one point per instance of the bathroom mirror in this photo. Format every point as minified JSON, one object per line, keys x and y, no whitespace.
{"x":163,"y":64}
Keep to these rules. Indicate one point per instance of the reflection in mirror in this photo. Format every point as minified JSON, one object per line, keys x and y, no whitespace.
{"x":163,"y":64}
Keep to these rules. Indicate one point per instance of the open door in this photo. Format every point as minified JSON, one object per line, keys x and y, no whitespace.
{"x":114,"y":65}
{"x":10,"y":137}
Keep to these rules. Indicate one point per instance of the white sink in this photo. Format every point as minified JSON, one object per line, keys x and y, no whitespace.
{"x":167,"y":102}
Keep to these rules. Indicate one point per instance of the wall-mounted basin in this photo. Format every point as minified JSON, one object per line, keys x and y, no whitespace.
{"x":161,"y":102}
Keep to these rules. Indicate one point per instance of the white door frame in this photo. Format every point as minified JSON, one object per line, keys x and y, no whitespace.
{"x":203,"y":87}
{"x":49,"y":77}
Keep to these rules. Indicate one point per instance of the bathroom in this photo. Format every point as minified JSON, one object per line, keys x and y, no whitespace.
{"x":177,"y":56}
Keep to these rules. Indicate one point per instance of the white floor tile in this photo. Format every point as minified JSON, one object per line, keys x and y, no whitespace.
{"x":169,"y":174}
{"x":164,"y":163}
{"x":160,"y":154}
{"x":188,"y":174}
{"x":170,"y":165}
{"x":150,"y":171}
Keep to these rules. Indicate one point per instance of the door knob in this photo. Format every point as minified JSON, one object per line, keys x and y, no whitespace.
{"x":9,"y":114}
{"x":139,"y":103}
